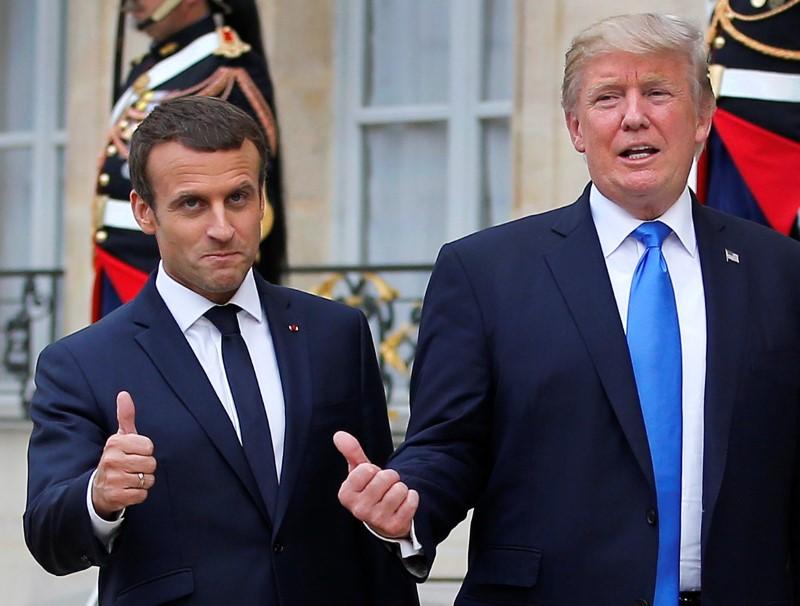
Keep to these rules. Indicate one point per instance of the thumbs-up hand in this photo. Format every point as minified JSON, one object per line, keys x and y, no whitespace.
{"x":373,"y":495}
{"x":127,"y":466}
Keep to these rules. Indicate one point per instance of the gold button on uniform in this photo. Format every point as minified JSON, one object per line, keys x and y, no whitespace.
{"x":719,"y":42}
{"x":758,"y":3}
{"x":111,"y":151}
{"x":100,"y":236}
{"x":103,"y":179}
{"x":168,"y":49}
{"x":141,"y":83}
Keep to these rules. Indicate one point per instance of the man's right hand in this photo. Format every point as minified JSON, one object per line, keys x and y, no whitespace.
{"x":375,"y":496}
{"x":127,"y":467}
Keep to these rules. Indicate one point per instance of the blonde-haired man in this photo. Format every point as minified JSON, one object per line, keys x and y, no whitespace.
{"x":613,"y":385}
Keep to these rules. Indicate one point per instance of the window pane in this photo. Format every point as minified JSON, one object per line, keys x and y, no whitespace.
{"x":17,"y":55}
{"x":496,"y":172}
{"x":407,"y":52}
{"x":498,"y":59}
{"x":15,"y":215}
{"x":406,"y":192}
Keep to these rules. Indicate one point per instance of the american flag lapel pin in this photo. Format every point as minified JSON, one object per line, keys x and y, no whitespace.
{"x":294,"y":327}
{"x":731,"y":257}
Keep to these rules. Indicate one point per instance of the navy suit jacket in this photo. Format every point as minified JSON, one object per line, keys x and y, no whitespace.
{"x":204,"y":535}
{"x":524,"y":406}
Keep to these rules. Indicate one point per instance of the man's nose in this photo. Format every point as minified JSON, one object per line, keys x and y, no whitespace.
{"x":635,"y":116}
{"x":219,"y":227}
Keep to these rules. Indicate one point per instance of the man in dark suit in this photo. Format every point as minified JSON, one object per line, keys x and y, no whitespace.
{"x":613,"y":385}
{"x":182,"y":444}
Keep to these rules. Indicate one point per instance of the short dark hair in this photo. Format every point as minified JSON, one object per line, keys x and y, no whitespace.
{"x":199,"y":123}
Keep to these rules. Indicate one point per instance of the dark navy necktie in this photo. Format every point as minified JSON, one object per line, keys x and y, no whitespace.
{"x":654,"y":342}
{"x":256,"y":438}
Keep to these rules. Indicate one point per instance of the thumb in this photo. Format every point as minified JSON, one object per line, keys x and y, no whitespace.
{"x":126,"y":413}
{"x":350,"y":448}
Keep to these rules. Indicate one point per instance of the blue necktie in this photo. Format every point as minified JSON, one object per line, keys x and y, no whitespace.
{"x":253,"y":423}
{"x":654,"y":341}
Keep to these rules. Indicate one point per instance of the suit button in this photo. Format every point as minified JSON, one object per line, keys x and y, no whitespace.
{"x":651,"y":516}
{"x":278,"y":547}
{"x":641,"y":603}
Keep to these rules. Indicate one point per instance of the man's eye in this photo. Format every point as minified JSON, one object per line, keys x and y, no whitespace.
{"x":191,"y":203}
{"x":606,"y":99}
{"x":238,"y":197}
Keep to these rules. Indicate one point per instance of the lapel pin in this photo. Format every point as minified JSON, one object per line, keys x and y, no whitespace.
{"x":294,"y":328}
{"x":731,"y":257}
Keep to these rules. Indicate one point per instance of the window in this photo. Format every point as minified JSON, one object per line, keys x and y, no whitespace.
{"x":423,"y":111}
{"x":32,"y":132}
{"x":32,"y":141}
{"x":423,"y":145}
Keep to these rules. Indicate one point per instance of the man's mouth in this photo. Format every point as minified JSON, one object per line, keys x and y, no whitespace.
{"x":639,"y":152}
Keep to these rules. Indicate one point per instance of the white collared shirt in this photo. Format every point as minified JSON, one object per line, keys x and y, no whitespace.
{"x":187,"y":308}
{"x":622,"y":252}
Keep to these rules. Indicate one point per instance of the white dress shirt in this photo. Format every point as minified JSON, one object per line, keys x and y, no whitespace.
{"x":188,"y":307}
{"x":622,"y":252}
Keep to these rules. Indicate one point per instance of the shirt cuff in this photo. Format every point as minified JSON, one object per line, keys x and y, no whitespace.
{"x":105,"y":530}
{"x":408,"y":547}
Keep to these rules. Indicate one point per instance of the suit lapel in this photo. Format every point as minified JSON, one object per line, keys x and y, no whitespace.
{"x":289,"y":335}
{"x":580,"y":272}
{"x":172,"y":356}
{"x":725,"y":286}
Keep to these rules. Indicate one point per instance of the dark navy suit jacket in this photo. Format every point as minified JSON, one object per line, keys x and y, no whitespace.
{"x":524,"y":406}
{"x":204,"y":535}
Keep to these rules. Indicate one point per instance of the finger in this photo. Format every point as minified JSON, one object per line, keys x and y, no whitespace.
{"x":134,"y":496}
{"x":398,"y":526}
{"x":350,"y":448}
{"x":360,"y":477}
{"x":130,"y":444}
{"x":126,"y":413}
{"x":394,"y":497}
{"x":139,"y":464}
{"x":408,"y":508}
{"x":380,"y":484}
{"x":139,"y":481}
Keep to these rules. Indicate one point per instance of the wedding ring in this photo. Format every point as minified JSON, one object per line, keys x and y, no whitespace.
{"x":141,"y":479}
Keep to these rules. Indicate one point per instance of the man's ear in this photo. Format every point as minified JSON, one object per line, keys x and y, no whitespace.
{"x":575,"y":131}
{"x":143,"y":213}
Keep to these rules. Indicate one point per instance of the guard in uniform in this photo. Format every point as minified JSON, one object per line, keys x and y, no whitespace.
{"x":200,"y":47}
{"x":750,"y":166}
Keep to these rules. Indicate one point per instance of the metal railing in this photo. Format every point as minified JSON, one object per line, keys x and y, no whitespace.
{"x":389,"y":295}
{"x":391,"y":298}
{"x":29,"y":299}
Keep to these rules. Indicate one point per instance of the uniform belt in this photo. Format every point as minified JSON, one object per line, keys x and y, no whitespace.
{"x":756,"y":84}
{"x":118,"y":213}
